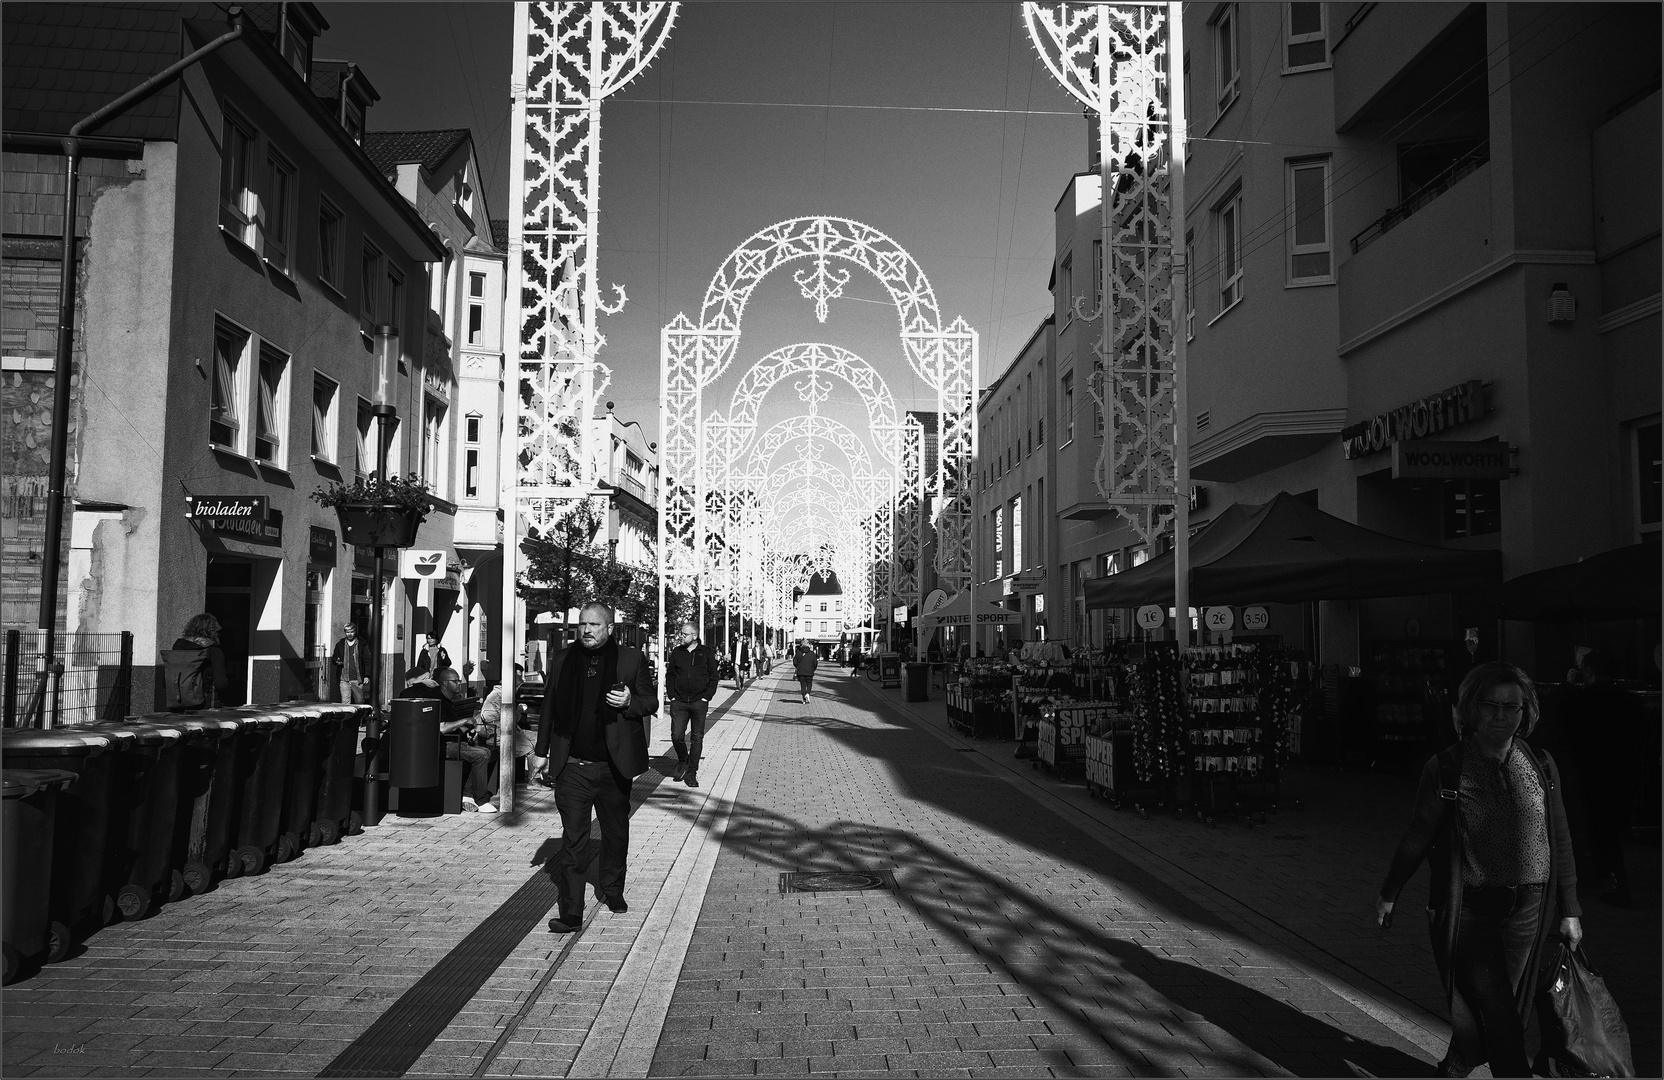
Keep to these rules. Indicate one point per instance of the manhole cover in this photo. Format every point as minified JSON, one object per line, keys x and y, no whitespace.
{"x":837,"y":881}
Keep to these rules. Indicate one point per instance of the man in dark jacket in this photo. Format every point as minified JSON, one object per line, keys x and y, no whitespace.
{"x":804,"y":662}
{"x":351,"y":662}
{"x":690,"y":684}
{"x":594,"y":742}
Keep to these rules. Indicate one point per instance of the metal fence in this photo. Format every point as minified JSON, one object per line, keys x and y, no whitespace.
{"x":92,"y":680}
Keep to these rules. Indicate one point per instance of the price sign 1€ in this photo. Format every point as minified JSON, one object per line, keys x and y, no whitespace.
{"x":1255,"y":618}
{"x":1149,"y":616}
{"x":1220,"y":619}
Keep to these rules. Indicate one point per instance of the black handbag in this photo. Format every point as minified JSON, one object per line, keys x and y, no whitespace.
{"x":1583,"y":1032}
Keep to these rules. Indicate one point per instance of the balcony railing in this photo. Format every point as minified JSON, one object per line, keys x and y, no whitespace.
{"x":1449,"y":178}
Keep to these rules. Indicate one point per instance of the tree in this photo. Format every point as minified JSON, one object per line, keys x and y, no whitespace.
{"x":562,"y":564}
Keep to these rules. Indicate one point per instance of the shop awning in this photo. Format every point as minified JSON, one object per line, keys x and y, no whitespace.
{"x":1624,"y":583}
{"x":957,"y":612}
{"x":1286,"y":551}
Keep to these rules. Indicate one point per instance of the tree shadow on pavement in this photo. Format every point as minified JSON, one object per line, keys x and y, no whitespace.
{"x":1153,"y":1011}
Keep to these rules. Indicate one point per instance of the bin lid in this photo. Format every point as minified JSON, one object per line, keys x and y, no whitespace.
{"x":213,"y":726}
{"x":21,"y":783}
{"x":144,"y":733}
{"x":69,"y":742}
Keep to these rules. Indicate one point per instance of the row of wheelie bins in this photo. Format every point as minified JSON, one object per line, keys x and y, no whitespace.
{"x":111,"y":819}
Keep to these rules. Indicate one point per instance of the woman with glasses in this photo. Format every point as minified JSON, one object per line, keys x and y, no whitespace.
{"x":1489,"y":820}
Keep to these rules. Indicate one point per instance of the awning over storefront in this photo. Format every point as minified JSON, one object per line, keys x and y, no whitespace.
{"x":957,"y":612}
{"x":1624,"y":583}
{"x":1286,"y":551}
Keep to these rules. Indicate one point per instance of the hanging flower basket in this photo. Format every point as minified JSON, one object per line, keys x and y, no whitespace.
{"x":379,"y":524}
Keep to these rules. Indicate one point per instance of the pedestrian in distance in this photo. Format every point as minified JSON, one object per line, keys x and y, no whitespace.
{"x":690,"y":683}
{"x":855,"y":657}
{"x":593,"y":742}
{"x":804,"y":663}
{"x":743,"y":662}
{"x":488,"y":731}
{"x":430,"y":658}
{"x":194,"y":669}
{"x":459,"y":715}
{"x":1490,"y":823}
{"x":350,"y":660}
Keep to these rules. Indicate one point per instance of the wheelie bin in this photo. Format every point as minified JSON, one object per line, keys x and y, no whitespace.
{"x":263,"y":762}
{"x":146,"y":807}
{"x":29,"y":815}
{"x":84,"y":851}
{"x":300,"y":793}
{"x":209,"y":784}
{"x":336,"y":817}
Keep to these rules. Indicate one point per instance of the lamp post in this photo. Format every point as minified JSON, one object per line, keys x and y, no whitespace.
{"x":386,"y":414}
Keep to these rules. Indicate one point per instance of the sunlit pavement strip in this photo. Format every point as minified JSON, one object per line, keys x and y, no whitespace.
{"x":602,"y":1012}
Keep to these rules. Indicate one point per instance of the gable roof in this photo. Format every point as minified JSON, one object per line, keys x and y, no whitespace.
{"x":430,"y":149}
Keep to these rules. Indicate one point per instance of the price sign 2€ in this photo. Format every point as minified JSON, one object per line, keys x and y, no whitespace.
{"x":1220,"y":619}
{"x":1150,"y":616}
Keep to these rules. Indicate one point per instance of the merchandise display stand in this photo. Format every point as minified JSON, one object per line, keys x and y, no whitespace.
{"x":979,"y":702}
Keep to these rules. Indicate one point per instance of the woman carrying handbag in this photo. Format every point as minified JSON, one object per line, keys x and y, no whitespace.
{"x":1489,"y":821}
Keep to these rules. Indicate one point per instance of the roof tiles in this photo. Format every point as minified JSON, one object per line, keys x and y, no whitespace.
{"x":431,"y":149}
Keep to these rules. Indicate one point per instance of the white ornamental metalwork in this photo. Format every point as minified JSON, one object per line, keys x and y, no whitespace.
{"x":701,"y":500}
{"x":1115,"y":60}
{"x":569,"y":57}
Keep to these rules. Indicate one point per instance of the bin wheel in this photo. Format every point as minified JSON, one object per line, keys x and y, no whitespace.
{"x":13,"y":963}
{"x":198,"y":877}
{"x":233,"y":866}
{"x":108,"y":911}
{"x":133,"y":901}
{"x":58,"y":942}
{"x":176,"y":887}
{"x":253,"y":860}
{"x":315,"y":835}
{"x":355,"y":823}
{"x":329,"y":832}
{"x":288,"y":846}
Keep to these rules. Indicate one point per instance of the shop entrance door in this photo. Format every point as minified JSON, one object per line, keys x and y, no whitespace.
{"x":230,"y":600}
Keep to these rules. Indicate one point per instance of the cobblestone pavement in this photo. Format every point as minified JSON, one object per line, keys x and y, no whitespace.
{"x":1029,"y":930}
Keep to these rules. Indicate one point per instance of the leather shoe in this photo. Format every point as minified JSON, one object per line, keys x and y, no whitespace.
{"x":566,"y":924}
{"x":692,"y":780}
{"x":615,"y":904}
{"x":681,"y":770}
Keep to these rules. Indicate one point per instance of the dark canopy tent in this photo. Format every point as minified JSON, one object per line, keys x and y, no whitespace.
{"x":1286,"y":551}
{"x":1624,"y":583}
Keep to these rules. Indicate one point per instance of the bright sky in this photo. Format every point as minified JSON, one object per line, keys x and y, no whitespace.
{"x":754,"y":113}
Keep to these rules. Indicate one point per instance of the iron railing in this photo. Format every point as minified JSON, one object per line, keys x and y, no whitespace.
{"x":91,"y":681}
{"x":1452,"y":175}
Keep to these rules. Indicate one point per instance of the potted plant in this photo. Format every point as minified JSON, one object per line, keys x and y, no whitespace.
{"x":379,"y":511}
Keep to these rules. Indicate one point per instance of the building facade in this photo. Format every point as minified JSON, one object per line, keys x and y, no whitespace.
{"x":238,"y":253}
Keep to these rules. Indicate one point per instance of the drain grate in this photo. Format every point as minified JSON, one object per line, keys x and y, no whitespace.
{"x":837,"y":881}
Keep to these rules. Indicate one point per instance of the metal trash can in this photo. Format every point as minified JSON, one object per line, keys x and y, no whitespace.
{"x":263,"y":765}
{"x":29,"y":816}
{"x":918,"y":682}
{"x":145,"y":808}
{"x":416,"y":756}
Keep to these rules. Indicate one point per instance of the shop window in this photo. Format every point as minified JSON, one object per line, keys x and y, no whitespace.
{"x":1472,"y":508}
{"x":331,"y":231}
{"x":1310,"y":234}
{"x":1305,"y":37}
{"x":225,"y":396}
{"x":237,"y":178}
{"x":325,"y":391}
{"x":271,"y":406}
{"x":1649,"y":477}
{"x":315,"y":639}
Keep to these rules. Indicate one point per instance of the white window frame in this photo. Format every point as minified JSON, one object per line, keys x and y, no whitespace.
{"x":277,"y":422}
{"x":277,"y":240}
{"x":471,"y":426}
{"x":332,"y":260}
{"x":238,"y":204}
{"x":1290,"y":38}
{"x":432,"y":465}
{"x":1293,"y":166}
{"x":1227,"y":60}
{"x":1227,"y":214}
{"x":233,"y":377}
{"x":325,"y":421}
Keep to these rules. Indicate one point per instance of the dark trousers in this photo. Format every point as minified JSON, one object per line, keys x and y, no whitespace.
{"x":687,"y":731}
{"x":806,"y":681}
{"x":477,"y":783}
{"x":580,"y":789}
{"x":1493,"y":943}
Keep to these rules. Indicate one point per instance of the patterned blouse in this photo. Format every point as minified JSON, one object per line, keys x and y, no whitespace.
{"x":1504,"y":821}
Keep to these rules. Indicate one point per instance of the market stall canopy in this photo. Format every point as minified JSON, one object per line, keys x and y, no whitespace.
{"x":1623,"y":583}
{"x":1286,"y":551}
{"x":957,"y":612}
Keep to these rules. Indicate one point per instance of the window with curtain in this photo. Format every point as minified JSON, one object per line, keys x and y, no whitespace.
{"x":324,"y":393}
{"x":433,"y":442}
{"x":224,"y":413}
{"x":269,"y":412}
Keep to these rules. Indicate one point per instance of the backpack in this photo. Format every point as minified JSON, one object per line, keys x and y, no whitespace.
{"x":187,"y":678}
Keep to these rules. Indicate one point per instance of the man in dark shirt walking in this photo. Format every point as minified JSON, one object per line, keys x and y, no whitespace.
{"x":690,"y":683}
{"x":594,"y":741}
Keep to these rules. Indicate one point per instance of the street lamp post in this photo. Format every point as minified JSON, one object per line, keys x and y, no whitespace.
{"x":386,"y":415}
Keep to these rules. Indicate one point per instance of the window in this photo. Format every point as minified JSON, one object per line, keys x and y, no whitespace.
{"x":297,"y":49}
{"x":432,"y":465}
{"x":476,"y":285}
{"x":1305,"y":38}
{"x":271,"y":406}
{"x":1649,"y":479}
{"x":476,"y":324}
{"x":1225,"y":57}
{"x":1068,"y":407}
{"x":225,"y":396}
{"x":352,"y":118}
{"x":1472,"y":508}
{"x":1308,"y":204}
{"x":365,"y":425}
{"x":324,"y":393}
{"x":471,"y":456}
{"x":1066,"y":287}
{"x":1190,"y":285}
{"x":236,"y":178}
{"x":370,"y":282}
{"x":330,"y":245}
{"x":1017,"y":533}
{"x":277,"y":211}
{"x":823,"y":608}
{"x":1229,"y":215}
{"x":999,"y":543}
{"x":395,"y":302}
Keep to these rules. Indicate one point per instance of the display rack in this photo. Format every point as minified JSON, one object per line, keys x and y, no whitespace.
{"x":1035,"y":683}
{"x":979,"y":702}
{"x":1063,"y":731}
